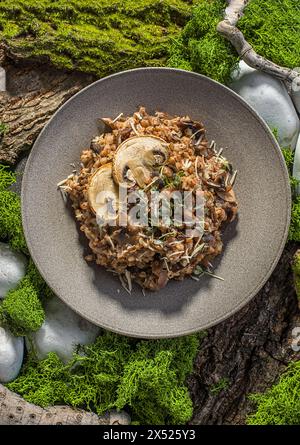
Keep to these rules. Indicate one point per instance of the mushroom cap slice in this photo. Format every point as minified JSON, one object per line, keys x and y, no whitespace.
{"x":102,"y":193}
{"x":136,"y":157}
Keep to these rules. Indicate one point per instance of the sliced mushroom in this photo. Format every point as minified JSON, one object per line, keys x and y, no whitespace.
{"x":136,"y":158}
{"x":102,"y":193}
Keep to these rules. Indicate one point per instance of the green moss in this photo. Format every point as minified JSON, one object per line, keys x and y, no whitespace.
{"x":105,"y":36}
{"x":221,"y":385}
{"x":21,"y":310}
{"x":294,"y":230}
{"x":7,"y":177}
{"x":97,"y":37}
{"x":296,"y":270}
{"x":280,"y":405}
{"x":288,"y":155}
{"x":10,"y":212}
{"x":146,"y":377}
{"x":200,"y":48}
{"x":271,"y":26}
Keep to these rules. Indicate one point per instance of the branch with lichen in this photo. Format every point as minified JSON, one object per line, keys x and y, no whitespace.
{"x":228,"y":29}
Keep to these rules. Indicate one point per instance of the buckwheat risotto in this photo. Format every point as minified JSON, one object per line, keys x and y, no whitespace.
{"x":142,"y":155}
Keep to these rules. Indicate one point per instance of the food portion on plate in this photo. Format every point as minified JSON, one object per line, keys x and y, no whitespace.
{"x":138,"y":195}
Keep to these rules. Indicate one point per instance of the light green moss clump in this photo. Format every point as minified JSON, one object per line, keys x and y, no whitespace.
{"x":272,"y":27}
{"x":280,"y":405}
{"x":97,"y":37}
{"x":147,"y":377}
{"x":21,"y":310}
{"x":10,"y":212}
{"x":200,"y":48}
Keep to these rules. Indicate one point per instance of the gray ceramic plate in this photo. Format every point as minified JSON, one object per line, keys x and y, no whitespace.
{"x":253,"y":243}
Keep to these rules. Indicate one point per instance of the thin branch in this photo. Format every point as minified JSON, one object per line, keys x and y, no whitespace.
{"x":234,"y":10}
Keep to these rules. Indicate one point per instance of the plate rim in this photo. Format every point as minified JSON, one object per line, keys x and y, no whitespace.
{"x":249,"y":295}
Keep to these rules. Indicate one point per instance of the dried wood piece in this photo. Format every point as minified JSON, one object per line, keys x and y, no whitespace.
{"x":16,"y":411}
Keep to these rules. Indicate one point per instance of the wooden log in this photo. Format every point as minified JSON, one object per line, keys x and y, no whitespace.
{"x":33,"y":94}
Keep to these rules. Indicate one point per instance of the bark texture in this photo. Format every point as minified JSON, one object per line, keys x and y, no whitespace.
{"x":248,"y":351}
{"x":33,"y":95}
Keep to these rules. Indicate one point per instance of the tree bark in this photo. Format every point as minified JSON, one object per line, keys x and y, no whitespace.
{"x":33,"y":94}
{"x":249,"y":350}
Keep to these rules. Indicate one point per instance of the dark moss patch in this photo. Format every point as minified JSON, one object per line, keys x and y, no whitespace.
{"x":220,"y":386}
